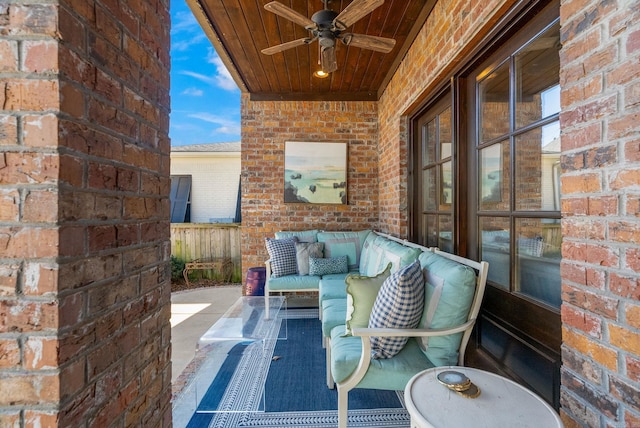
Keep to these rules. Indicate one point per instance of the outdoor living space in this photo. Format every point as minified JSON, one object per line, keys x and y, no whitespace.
{"x":255,"y":366}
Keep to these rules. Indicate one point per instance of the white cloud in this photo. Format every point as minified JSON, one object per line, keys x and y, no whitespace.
{"x":185,"y":44}
{"x":226,"y":125}
{"x":201,"y":77}
{"x":186,"y":32}
{"x":194,"y":92}
{"x":225,"y":81}
{"x":183,"y":21}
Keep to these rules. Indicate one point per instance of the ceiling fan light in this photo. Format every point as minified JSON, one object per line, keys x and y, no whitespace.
{"x":321,"y":74}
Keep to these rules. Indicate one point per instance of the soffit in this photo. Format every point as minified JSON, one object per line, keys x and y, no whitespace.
{"x":240,"y":29}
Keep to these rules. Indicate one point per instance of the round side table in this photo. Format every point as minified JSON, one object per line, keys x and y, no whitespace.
{"x":502,"y":403}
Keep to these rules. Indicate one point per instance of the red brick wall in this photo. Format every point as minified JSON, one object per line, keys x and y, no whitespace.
{"x":266,"y":126}
{"x":600,"y":80}
{"x":448,"y":33}
{"x":84,"y":229}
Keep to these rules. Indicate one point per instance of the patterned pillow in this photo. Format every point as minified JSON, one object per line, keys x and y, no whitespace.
{"x":304,"y":250}
{"x":282,"y":253}
{"x":399,"y":304}
{"x":319,"y":266}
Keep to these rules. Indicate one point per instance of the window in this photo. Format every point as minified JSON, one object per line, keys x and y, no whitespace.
{"x":435,"y":168}
{"x":518,"y":158}
{"x":180,"y":199}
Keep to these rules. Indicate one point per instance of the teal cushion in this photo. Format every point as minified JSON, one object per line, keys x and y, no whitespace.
{"x":294,"y":282}
{"x":378,"y":252}
{"x":333,"y":288}
{"x":344,"y":244}
{"x":337,"y":276}
{"x":334,"y":312}
{"x":449,"y":291}
{"x":390,"y":374}
{"x":326,"y":266}
{"x":302,"y":235}
{"x":361,"y":295}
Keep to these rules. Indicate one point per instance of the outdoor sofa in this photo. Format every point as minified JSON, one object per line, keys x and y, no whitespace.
{"x":389,"y":308}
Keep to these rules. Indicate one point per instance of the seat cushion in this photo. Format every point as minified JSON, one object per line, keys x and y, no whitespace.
{"x":334,"y":312}
{"x":293,"y":282}
{"x":399,"y":304}
{"x":332,"y":288}
{"x":378,"y":252}
{"x":449,"y":291}
{"x":344,"y":244}
{"x":390,"y":374}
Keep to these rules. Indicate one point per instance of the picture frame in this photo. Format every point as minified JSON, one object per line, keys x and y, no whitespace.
{"x":315,"y":172}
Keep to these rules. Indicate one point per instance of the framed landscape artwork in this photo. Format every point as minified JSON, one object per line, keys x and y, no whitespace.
{"x":315,"y":173}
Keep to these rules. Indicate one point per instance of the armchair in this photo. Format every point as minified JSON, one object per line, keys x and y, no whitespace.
{"x":440,"y":339}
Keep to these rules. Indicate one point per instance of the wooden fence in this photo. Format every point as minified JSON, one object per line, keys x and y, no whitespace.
{"x":207,"y":241}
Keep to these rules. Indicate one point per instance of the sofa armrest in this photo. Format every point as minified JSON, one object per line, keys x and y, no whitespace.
{"x":267,"y":265}
{"x":365,"y":333}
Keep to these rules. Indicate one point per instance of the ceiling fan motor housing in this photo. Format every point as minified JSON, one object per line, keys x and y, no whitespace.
{"x":325,"y":32}
{"x":324,"y":18}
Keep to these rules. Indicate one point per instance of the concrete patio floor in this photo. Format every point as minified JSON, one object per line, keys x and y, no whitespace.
{"x":192,"y":313}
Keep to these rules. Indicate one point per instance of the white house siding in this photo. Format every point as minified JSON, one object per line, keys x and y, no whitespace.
{"x":215,"y":179}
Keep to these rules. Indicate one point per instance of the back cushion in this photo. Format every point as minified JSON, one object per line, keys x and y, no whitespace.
{"x":449,"y":291}
{"x":378,"y":252}
{"x":302,"y":235}
{"x":348,"y":244}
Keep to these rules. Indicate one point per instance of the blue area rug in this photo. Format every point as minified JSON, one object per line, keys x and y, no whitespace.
{"x":292,"y":372}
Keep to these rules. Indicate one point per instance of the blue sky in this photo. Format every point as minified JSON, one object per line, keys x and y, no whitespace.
{"x":205,"y":101}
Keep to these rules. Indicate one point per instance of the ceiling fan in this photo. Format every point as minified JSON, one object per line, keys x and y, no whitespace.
{"x":328,"y":26}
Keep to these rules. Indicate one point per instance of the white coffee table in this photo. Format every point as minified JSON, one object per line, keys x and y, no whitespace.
{"x":501,"y":403}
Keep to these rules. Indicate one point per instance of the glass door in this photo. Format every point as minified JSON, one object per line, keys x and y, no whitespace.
{"x":514,"y":202}
{"x":433,"y":161}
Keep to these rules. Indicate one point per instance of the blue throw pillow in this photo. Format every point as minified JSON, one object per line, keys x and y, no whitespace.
{"x":399,"y":304}
{"x":282,"y":253}
{"x":320,"y":266}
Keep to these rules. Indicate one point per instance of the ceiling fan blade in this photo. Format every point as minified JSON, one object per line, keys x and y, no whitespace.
{"x":356,"y":10}
{"x":328,"y":59}
{"x":290,"y":14}
{"x":284,"y":46}
{"x":374,"y":43}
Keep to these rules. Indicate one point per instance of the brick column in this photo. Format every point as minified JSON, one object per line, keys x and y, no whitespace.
{"x":84,"y":213}
{"x":600,"y":80}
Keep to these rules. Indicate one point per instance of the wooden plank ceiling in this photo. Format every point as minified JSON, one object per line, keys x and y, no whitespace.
{"x":240,"y":29}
